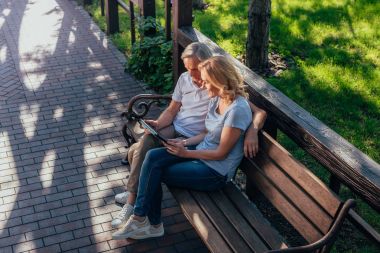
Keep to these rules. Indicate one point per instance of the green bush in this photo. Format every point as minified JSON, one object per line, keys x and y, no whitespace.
{"x":151,"y":57}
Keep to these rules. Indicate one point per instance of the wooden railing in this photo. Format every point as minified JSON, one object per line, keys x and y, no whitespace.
{"x":347,"y":164}
{"x":147,"y":8}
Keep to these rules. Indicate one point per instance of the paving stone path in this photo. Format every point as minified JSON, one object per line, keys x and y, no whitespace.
{"x":62,"y":89}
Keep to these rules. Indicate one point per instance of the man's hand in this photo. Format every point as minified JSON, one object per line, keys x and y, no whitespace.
{"x":153,"y":123}
{"x":251,"y":142}
{"x":176,"y":147}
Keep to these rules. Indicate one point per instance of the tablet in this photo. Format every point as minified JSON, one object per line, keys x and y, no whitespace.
{"x":151,"y":130}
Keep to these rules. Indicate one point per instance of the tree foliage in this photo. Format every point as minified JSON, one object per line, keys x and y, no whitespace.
{"x":151,"y":57}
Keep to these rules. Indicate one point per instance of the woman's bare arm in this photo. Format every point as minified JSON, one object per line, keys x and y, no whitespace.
{"x":229,"y":137}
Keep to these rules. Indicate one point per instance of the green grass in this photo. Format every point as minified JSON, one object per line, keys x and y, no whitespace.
{"x":225,"y":22}
{"x":334,"y":47}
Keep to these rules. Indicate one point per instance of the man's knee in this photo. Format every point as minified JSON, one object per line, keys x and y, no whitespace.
{"x":148,"y":142}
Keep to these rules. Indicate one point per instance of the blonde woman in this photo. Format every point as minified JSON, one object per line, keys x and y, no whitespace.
{"x":204,"y":162}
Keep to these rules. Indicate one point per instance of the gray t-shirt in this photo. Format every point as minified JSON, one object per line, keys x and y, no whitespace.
{"x":189,"y":121}
{"x":237,"y":115}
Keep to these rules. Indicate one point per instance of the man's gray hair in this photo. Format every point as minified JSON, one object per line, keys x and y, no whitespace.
{"x":197,"y":49}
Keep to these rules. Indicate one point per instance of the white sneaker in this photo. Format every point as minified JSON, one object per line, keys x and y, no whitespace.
{"x":131,"y":227}
{"x":122,"y":197}
{"x":122,"y":216}
{"x":152,"y":232}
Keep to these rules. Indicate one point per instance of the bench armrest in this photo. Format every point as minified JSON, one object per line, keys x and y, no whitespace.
{"x":327,"y":238}
{"x":137,"y":108}
{"x":139,"y":105}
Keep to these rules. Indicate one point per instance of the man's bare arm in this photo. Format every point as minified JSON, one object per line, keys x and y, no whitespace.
{"x":166,"y":118}
{"x":251,"y":140}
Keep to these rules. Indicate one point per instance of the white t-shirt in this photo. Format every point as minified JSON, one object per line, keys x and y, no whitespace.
{"x":190,"y":119}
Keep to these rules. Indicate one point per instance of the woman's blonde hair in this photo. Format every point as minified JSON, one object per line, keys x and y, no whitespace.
{"x":224,"y":75}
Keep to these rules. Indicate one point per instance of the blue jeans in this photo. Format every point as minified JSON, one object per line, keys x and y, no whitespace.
{"x":160,"y":166}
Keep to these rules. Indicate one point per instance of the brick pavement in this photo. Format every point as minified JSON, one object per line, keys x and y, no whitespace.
{"x":62,"y":88}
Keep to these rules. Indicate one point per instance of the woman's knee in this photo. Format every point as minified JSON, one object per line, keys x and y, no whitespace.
{"x":154,"y":154}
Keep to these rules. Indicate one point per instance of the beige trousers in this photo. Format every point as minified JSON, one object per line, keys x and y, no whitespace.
{"x":137,"y":152}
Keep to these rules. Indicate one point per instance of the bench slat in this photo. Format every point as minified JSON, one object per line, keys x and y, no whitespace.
{"x":299,"y":173}
{"x":233,"y":215}
{"x":295,"y":195}
{"x":219,"y":221}
{"x":200,"y":221}
{"x":286,"y":208}
{"x":255,"y":218}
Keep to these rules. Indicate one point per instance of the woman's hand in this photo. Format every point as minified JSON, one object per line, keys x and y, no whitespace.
{"x":251,"y":142}
{"x":176,"y":147}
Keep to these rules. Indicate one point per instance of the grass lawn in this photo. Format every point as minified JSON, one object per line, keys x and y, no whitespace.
{"x":333,"y":50}
{"x":336,"y":49}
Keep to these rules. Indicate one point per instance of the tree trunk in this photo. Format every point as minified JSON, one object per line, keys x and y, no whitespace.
{"x":258,"y":35}
{"x":198,"y":4}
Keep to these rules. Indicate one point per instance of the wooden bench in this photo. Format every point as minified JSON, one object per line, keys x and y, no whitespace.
{"x":228,"y":222}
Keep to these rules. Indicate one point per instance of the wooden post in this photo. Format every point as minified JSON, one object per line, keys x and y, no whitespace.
{"x":112,"y":16}
{"x":270,"y":127}
{"x":132,"y":16}
{"x":102,"y":7}
{"x":182,"y":16}
{"x":168,"y":21}
{"x":334,"y":184}
{"x":148,"y":9}
{"x":250,"y":189}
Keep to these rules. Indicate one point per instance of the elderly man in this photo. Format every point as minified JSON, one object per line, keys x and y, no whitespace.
{"x":184,"y":117}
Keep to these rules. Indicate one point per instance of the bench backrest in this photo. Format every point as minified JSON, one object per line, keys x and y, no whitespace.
{"x":293,"y":190}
